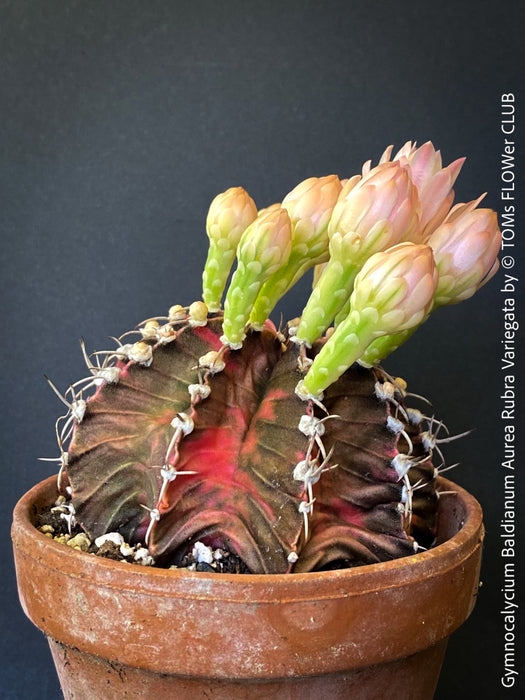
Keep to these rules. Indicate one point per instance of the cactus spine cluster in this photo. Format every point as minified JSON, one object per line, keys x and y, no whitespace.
{"x":291,"y":449}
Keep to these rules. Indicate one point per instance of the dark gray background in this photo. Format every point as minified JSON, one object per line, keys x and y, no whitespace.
{"x":120,"y":121}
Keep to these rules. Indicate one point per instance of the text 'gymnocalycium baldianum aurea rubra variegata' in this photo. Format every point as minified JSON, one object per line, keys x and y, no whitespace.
{"x":291,"y":449}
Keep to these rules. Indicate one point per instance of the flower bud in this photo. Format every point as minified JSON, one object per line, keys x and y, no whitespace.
{"x":399,"y":285}
{"x":385,"y":194}
{"x":264,"y":247}
{"x":434,"y":183}
{"x":229,"y":215}
{"x":393,"y":292}
{"x":309,"y":206}
{"x":266,"y":244}
{"x":378,"y":211}
{"x":465,"y":248}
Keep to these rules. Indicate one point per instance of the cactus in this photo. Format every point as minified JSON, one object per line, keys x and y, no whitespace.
{"x":294,"y":452}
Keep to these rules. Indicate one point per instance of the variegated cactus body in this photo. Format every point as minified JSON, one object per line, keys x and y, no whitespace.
{"x":274,"y":480}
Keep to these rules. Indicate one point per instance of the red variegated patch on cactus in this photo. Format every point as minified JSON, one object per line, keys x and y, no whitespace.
{"x":243,"y":448}
{"x":243,"y":497}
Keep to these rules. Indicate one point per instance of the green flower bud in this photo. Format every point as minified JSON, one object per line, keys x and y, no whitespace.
{"x":393,"y":292}
{"x":264,"y":247}
{"x":229,"y":215}
{"x":309,"y":206}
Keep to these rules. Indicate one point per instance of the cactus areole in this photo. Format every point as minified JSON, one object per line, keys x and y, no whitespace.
{"x":291,"y":449}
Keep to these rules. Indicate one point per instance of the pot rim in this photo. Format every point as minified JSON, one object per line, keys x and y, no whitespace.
{"x":255,"y":587}
{"x":286,"y":625}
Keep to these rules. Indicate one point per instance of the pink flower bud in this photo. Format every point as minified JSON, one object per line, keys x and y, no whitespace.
{"x":434,"y":183}
{"x":396,"y":287}
{"x":384,"y":196}
{"x":465,"y":246}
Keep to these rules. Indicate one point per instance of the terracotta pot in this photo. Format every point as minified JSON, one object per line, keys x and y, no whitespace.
{"x":118,"y":630}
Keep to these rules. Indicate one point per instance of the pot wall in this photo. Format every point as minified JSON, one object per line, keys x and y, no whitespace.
{"x":86,"y":677}
{"x":248,"y":627}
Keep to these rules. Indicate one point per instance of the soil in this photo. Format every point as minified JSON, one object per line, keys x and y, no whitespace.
{"x":58,"y":524}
